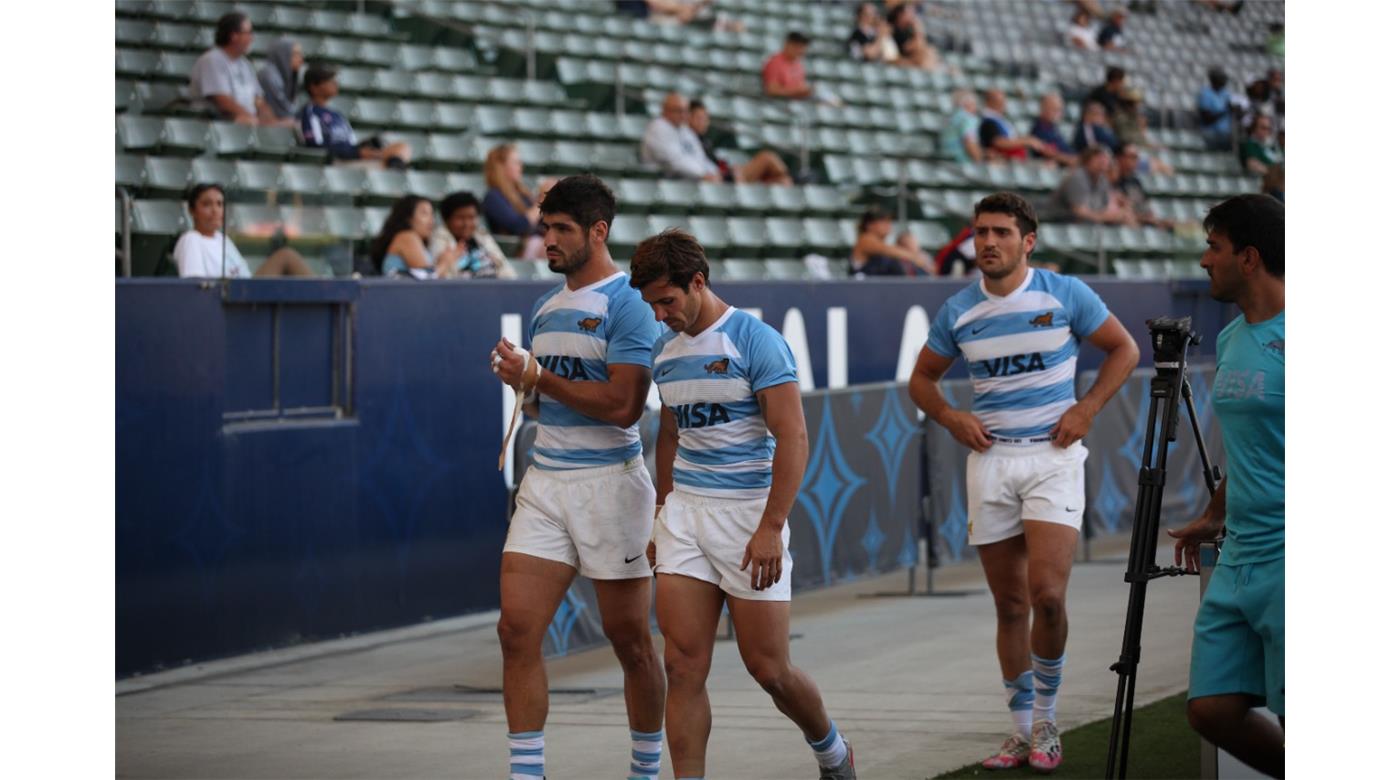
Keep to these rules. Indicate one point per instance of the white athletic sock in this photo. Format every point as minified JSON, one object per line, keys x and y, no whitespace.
{"x":1020,"y":698}
{"x":1047,"y":684}
{"x":646,"y":755}
{"x":526,"y":755}
{"x":831,"y":749}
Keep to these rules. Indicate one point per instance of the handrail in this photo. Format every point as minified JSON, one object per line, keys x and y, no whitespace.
{"x":126,"y":231}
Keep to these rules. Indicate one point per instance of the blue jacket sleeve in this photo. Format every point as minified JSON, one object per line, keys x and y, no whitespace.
{"x":501,"y":216}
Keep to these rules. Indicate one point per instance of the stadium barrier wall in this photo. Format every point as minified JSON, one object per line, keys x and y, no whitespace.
{"x":301,"y":460}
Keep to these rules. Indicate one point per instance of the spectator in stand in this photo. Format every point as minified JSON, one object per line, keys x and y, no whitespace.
{"x":510,"y":207}
{"x":1129,"y":187}
{"x":1213,"y":111}
{"x":873,"y":255}
{"x":470,"y":251}
{"x":870,"y":41}
{"x":670,"y":144}
{"x":1087,"y":195}
{"x":784,"y":75}
{"x":224,"y":80}
{"x":324,"y":127}
{"x":278,"y":78}
{"x":206,"y":252}
{"x":1106,"y":94}
{"x":1111,"y":34}
{"x":1259,"y":151}
{"x":766,"y":166}
{"x":959,"y":140}
{"x":1046,"y":128}
{"x":1130,"y":127}
{"x":997,"y":135}
{"x":1273,"y":182}
{"x":1080,"y":34}
{"x":1094,"y":130}
{"x":401,"y":248}
{"x":914,"y":49}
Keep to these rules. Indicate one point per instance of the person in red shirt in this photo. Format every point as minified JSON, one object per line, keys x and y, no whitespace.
{"x":783,"y":74}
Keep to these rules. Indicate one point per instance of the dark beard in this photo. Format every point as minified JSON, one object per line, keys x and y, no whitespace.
{"x":569,"y":263}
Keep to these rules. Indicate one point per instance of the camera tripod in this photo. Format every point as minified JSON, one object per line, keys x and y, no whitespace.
{"x":1169,"y":389}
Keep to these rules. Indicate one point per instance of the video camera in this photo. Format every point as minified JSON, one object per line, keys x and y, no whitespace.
{"x":1170,"y":337}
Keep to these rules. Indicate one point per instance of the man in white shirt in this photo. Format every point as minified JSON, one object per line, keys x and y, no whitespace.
{"x":224,"y":79}
{"x":670,"y":144}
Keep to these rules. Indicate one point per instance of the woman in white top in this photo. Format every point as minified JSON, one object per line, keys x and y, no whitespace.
{"x":206,"y":252}
{"x":1080,"y":34}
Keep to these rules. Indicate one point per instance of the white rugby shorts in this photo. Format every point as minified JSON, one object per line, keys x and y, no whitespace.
{"x":597,"y":520}
{"x":705,"y":537}
{"x":1011,"y":483}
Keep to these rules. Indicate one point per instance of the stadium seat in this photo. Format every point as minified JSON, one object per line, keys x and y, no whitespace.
{"x":227,"y":139}
{"x":748,"y":236}
{"x":253,"y":181}
{"x":383,"y":187}
{"x":138,"y":133}
{"x":305,"y":183}
{"x":130,"y":172}
{"x":712,"y":233}
{"x":743,"y":270}
{"x":785,"y":270}
{"x":930,"y":235}
{"x":166,"y":177}
{"x":823,"y":236}
{"x":627,"y":231}
{"x":211,"y":170}
{"x":185,"y":137}
{"x":785,"y":236}
{"x":637,"y":196}
{"x":158,"y":217}
{"x":344,"y":183}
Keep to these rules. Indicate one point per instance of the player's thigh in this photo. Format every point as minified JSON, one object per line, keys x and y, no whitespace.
{"x":1227,"y":655}
{"x":761,"y":631}
{"x":625,"y":606}
{"x":531,"y":589}
{"x":687,"y":611}
{"x":1264,"y":608}
{"x":1049,"y":555}
{"x":1004,"y":564}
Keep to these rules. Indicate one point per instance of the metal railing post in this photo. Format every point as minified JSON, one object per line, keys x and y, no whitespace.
{"x":619,"y":91}
{"x":529,"y":46}
{"x":126,"y":231}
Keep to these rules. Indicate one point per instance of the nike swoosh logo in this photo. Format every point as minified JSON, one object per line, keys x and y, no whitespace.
{"x":1067,"y":509}
{"x":665,"y":371}
{"x":975,"y":331}
{"x":633,"y":558}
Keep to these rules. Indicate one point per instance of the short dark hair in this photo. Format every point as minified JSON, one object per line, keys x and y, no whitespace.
{"x":673,"y":255}
{"x":798,"y":38}
{"x":1115,"y":73}
{"x":873,"y":214}
{"x":696,"y":104}
{"x":199,"y":188}
{"x":1091,"y":151}
{"x":455,"y":201}
{"x":585,"y":198}
{"x":1012,"y":204}
{"x":317,"y":73}
{"x":228,"y":25}
{"x":1251,"y":220}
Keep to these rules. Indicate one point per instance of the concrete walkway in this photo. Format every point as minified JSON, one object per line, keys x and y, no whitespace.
{"x":913,"y":682}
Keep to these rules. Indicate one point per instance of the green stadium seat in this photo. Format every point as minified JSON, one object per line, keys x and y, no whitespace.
{"x":287,"y":17}
{"x":786,"y":270}
{"x":166,"y":177}
{"x":757,"y":198}
{"x":429,"y":184}
{"x":788,"y":201}
{"x":743,"y":270}
{"x":383,"y":187}
{"x":306,"y":182}
{"x":211,"y":169}
{"x":638,"y":196}
{"x":454,"y":60}
{"x":930,"y":235}
{"x":785,"y":236}
{"x":747,"y":235}
{"x":227,"y":139}
{"x":137,"y":63}
{"x":823,"y":236}
{"x":573,"y":157}
{"x":138,"y":133}
{"x":416,"y":59}
{"x":280,"y":143}
{"x":187,"y":137}
{"x":133,"y":32}
{"x":452,"y":117}
{"x":419,"y":115}
{"x":627,"y":231}
{"x":711,"y":232}
{"x":130,"y":172}
{"x":174,"y":66}
{"x":252,"y":181}
{"x":158,"y":217}
{"x":344,"y":183}
{"x":712,"y":198}
{"x":347,"y":223}
{"x":180,"y":36}
{"x":256,"y":222}
{"x":819,"y":199}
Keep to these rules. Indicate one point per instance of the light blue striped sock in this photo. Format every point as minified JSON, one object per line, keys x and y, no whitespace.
{"x":526,"y":754}
{"x":1020,"y":698}
{"x":646,"y":755}
{"x":830,"y":750}
{"x":1047,"y":684}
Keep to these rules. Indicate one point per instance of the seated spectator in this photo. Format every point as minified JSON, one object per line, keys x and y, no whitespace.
{"x":784,"y":75}
{"x":959,"y":141}
{"x":1046,"y":128}
{"x":997,"y":135}
{"x":278,"y":78}
{"x":870,"y":41}
{"x":1130,"y":127}
{"x":1111,"y":34}
{"x":1213,"y":112}
{"x":1093,"y":130}
{"x":1259,"y":151}
{"x":469,"y":251}
{"x":401,"y":248}
{"x":766,"y":166}
{"x":914,"y":49}
{"x":1273,"y":182}
{"x":1086,"y":194}
{"x":670,"y":144}
{"x":510,"y":207}
{"x":1106,"y":94}
{"x":1129,"y":186}
{"x":206,"y":252}
{"x":1080,"y":34}
{"x":224,"y":80}
{"x":324,"y":127}
{"x":873,"y":255}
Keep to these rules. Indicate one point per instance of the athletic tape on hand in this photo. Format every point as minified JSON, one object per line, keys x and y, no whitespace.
{"x":528,"y":379}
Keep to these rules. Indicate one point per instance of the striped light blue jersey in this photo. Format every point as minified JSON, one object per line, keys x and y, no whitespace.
{"x":710,"y":382}
{"x":1021,"y":349}
{"x":577,"y":334}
